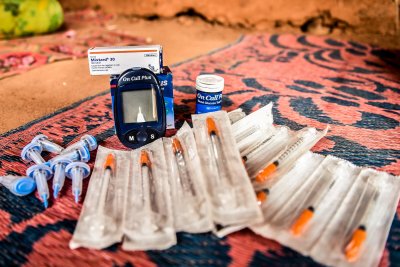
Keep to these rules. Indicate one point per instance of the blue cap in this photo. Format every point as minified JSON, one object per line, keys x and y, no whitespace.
{"x":83,"y":166}
{"x":24,"y":186}
{"x":39,"y":138}
{"x":90,"y":140}
{"x":84,"y":153}
{"x":41,"y":167}
{"x":63,"y":161}
{"x":30,"y":146}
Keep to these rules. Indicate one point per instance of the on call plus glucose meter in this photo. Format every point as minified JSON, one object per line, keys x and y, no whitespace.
{"x":139,"y":109}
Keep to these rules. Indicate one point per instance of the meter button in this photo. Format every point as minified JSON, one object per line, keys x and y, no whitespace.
{"x":152,"y":135}
{"x":141,"y":137}
{"x":131,"y":137}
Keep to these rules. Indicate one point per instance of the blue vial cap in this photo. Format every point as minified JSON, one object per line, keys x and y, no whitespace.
{"x":41,"y":167}
{"x":27,"y":148}
{"x":63,"y":161}
{"x":90,"y":140}
{"x":83,"y":166}
{"x":24,"y":186}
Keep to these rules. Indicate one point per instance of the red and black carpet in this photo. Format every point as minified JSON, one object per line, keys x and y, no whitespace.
{"x":312,"y":81}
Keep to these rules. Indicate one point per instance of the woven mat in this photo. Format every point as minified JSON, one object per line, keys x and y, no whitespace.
{"x":312,"y":81}
{"x":82,"y":30}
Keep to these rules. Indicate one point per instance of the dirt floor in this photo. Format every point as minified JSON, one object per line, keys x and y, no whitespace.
{"x":43,"y":90}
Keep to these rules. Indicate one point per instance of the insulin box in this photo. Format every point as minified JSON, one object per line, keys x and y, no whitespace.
{"x":117,"y":59}
{"x":167,"y":88}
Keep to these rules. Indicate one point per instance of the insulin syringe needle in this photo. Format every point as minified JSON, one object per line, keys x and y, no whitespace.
{"x":265,"y":173}
{"x":314,"y":197}
{"x":145,"y":164}
{"x":353,"y":247}
{"x":216,"y":148}
{"x":109,"y":170}
{"x":148,"y":197}
{"x":252,"y":129}
{"x":249,"y":151}
{"x":184,"y":177}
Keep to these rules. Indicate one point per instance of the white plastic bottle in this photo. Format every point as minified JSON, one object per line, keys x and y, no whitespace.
{"x":208,"y":93}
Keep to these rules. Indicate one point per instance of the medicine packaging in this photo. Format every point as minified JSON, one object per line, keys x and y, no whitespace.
{"x":232,"y":196}
{"x":190,"y":202}
{"x":148,"y":219}
{"x":116,"y":59}
{"x":323,"y":207}
{"x":198,"y":180}
{"x":100,"y":221}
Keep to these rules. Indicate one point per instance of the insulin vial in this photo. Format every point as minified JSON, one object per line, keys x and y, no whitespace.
{"x":208,"y":93}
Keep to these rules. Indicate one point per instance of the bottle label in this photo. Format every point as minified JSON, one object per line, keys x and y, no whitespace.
{"x":208,"y":102}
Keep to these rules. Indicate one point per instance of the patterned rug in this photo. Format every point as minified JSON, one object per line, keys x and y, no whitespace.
{"x":312,"y":81}
{"x":82,"y":30}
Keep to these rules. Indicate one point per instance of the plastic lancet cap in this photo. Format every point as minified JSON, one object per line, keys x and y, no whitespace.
{"x":41,"y":167}
{"x":25,"y":150}
{"x":84,"y":153}
{"x":24,"y":186}
{"x":39,"y":138}
{"x":90,"y":140}
{"x":83,"y":166}
{"x":210,"y":83}
{"x":63,"y":161}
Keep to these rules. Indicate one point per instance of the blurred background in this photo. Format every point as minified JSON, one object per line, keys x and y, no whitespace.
{"x":374,"y":21}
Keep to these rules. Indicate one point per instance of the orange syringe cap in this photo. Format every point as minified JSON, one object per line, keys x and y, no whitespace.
{"x":145,"y":158}
{"x":265,"y":173}
{"x":211,"y":126}
{"x":301,"y":222}
{"x":110,"y":162}
{"x":262,"y":196}
{"x":353,"y":248}
{"x":177,"y":146}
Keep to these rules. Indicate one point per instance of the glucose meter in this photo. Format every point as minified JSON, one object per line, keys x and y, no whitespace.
{"x":139,"y":109}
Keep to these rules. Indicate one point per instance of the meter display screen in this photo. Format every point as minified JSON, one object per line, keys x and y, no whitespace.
{"x":139,"y":106}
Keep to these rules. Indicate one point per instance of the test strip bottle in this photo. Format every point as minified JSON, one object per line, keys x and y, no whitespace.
{"x":208,"y":93}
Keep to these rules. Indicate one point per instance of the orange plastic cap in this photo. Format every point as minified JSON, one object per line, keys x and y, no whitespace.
{"x":299,"y":225}
{"x":263,"y":175}
{"x":176,"y":146}
{"x":145,"y":159}
{"x":261,"y":196}
{"x":110,"y":162}
{"x":353,"y":248}
{"x":211,"y":126}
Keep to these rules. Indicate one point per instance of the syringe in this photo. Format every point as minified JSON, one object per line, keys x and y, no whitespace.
{"x":109,"y":170}
{"x":148,"y":194}
{"x":314,"y":197}
{"x":184,"y":177}
{"x":353,"y":247}
{"x":216,"y":150}
{"x":265,"y":173}
{"x":101,"y":219}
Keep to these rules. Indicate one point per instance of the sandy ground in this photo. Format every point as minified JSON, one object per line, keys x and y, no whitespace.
{"x":45,"y":89}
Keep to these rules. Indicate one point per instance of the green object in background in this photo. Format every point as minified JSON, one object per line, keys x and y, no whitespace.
{"x":29,"y":17}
